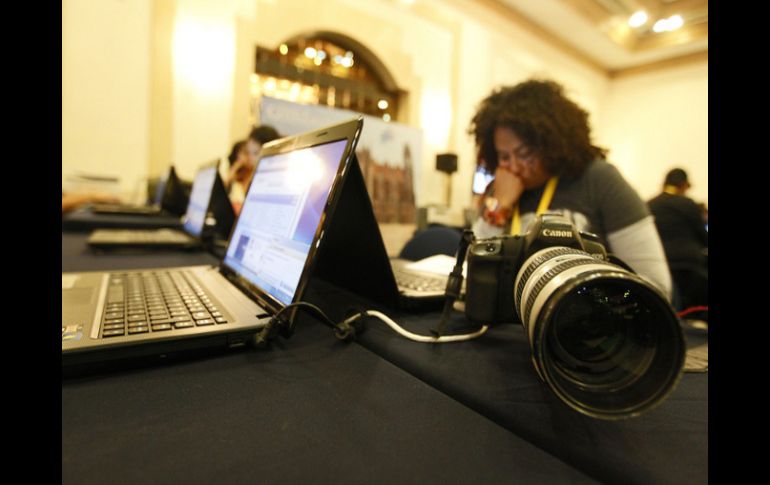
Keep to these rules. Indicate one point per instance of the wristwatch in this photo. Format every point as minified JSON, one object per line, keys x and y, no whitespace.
{"x":494,"y":214}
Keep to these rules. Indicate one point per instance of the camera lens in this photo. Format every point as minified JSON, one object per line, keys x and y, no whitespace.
{"x":606,"y":342}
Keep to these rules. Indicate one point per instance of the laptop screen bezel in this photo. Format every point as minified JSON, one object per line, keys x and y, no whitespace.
{"x":349,"y":131}
{"x":206,"y":166}
{"x":160,"y":189}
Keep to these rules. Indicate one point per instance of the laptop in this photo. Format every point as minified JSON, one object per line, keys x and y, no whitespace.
{"x":148,"y":314}
{"x":209,"y":215}
{"x":354,"y":256}
{"x":170,"y":198}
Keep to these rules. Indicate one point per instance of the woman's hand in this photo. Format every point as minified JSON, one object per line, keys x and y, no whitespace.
{"x":507,"y":188}
{"x":241,"y":171}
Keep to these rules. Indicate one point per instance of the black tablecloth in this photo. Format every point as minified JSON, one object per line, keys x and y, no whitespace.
{"x":309,"y":410}
{"x":494,"y":375}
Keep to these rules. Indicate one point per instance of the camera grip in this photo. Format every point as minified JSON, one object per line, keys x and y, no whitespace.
{"x":481,"y":296}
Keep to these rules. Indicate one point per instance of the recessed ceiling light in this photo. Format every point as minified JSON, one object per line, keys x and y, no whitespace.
{"x":638,"y":19}
{"x":674,"y":22}
{"x":669,"y":24}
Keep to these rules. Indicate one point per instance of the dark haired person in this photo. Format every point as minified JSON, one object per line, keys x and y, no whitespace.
{"x":537,"y":143}
{"x":258,"y":136}
{"x":682,"y":228}
{"x":243,"y":161}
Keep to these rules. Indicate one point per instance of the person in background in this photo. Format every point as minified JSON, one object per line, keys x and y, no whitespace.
{"x":705,"y":213}
{"x":681,"y":223}
{"x":537,"y":143}
{"x":243,"y":161}
{"x":235,"y":182}
{"x":75,"y":200}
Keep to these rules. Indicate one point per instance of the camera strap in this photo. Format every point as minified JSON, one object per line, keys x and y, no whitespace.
{"x":455,"y":282}
{"x":545,"y":201}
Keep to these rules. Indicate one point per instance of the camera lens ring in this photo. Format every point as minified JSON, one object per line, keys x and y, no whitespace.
{"x":537,"y":259}
{"x":657,"y":378}
{"x":548,"y":275}
{"x":541,"y":263}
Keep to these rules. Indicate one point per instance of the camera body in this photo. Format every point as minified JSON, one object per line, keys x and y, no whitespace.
{"x":605,"y":340}
{"x":493,"y":265}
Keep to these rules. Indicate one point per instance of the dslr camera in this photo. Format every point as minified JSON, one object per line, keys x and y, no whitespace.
{"x":606,"y":341}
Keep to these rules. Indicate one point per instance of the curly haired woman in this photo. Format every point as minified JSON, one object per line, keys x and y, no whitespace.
{"x":537,"y":143}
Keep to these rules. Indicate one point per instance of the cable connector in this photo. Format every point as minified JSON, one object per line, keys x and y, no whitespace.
{"x":454,"y":281}
{"x":352,"y":326}
{"x":262,"y":339}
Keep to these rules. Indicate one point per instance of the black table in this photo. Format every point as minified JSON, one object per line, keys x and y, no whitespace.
{"x":78,"y":256}
{"x":494,"y":375}
{"x":85,"y":220}
{"x":309,"y":410}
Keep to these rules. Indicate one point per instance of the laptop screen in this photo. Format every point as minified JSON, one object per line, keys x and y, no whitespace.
{"x":200,"y":195}
{"x":272,"y":238}
{"x":160,"y":189}
{"x":481,"y":180}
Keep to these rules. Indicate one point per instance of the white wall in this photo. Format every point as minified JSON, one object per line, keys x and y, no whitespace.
{"x":656,"y":121}
{"x":203,"y":53}
{"x":105,"y":88}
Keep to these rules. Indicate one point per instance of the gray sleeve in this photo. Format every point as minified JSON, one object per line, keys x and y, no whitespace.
{"x":617,"y":202}
{"x":639,"y":246}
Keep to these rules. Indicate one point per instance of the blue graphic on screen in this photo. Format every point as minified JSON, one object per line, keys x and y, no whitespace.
{"x":200,"y":195}
{"x":280,"y":216}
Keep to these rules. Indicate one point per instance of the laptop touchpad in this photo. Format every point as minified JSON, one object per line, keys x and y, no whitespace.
{"x":76,"y":296}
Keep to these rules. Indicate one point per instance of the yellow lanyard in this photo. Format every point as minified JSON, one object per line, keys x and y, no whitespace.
{"x":670,"y":189}
{"x":545,"y":201}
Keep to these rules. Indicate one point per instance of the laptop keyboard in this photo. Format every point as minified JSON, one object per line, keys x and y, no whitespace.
{"x":420,"y":282}
{"x":157,"y":301}
{"x":124,"y":209}
{"x":138,"y":236}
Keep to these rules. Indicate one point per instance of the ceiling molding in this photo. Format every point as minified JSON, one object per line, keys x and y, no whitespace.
{"x":702,"y":56}
{"x":684,"y":35}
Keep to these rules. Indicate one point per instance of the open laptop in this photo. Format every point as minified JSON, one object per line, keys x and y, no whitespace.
{"x":170,"y":198}
{"x":209,"y":214}
{"x":354,"y":256}
{"x":152,"y":313}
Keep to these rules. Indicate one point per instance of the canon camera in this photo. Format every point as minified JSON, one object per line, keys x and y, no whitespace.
{"x":605,"y":340}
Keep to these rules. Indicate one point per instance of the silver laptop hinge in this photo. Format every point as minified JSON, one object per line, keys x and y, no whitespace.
{"x":96,"y":325}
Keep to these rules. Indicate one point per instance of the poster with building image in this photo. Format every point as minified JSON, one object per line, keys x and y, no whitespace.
{"x":387,"y":152}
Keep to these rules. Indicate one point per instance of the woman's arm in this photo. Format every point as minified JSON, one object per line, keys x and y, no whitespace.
{"x":639,"y":246}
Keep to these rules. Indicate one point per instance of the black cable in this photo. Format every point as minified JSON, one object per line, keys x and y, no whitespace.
{"x":278,"y":324}
{"x":352,"y":324}
{"x":350,"y":327}
{"x":455,"y":281}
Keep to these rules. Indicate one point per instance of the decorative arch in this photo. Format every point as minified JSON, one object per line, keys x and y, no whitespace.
{"x":381,"y":71}
{"x":327,"y":68}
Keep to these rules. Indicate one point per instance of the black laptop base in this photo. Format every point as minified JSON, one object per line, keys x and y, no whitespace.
{"x":149,"y":355}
